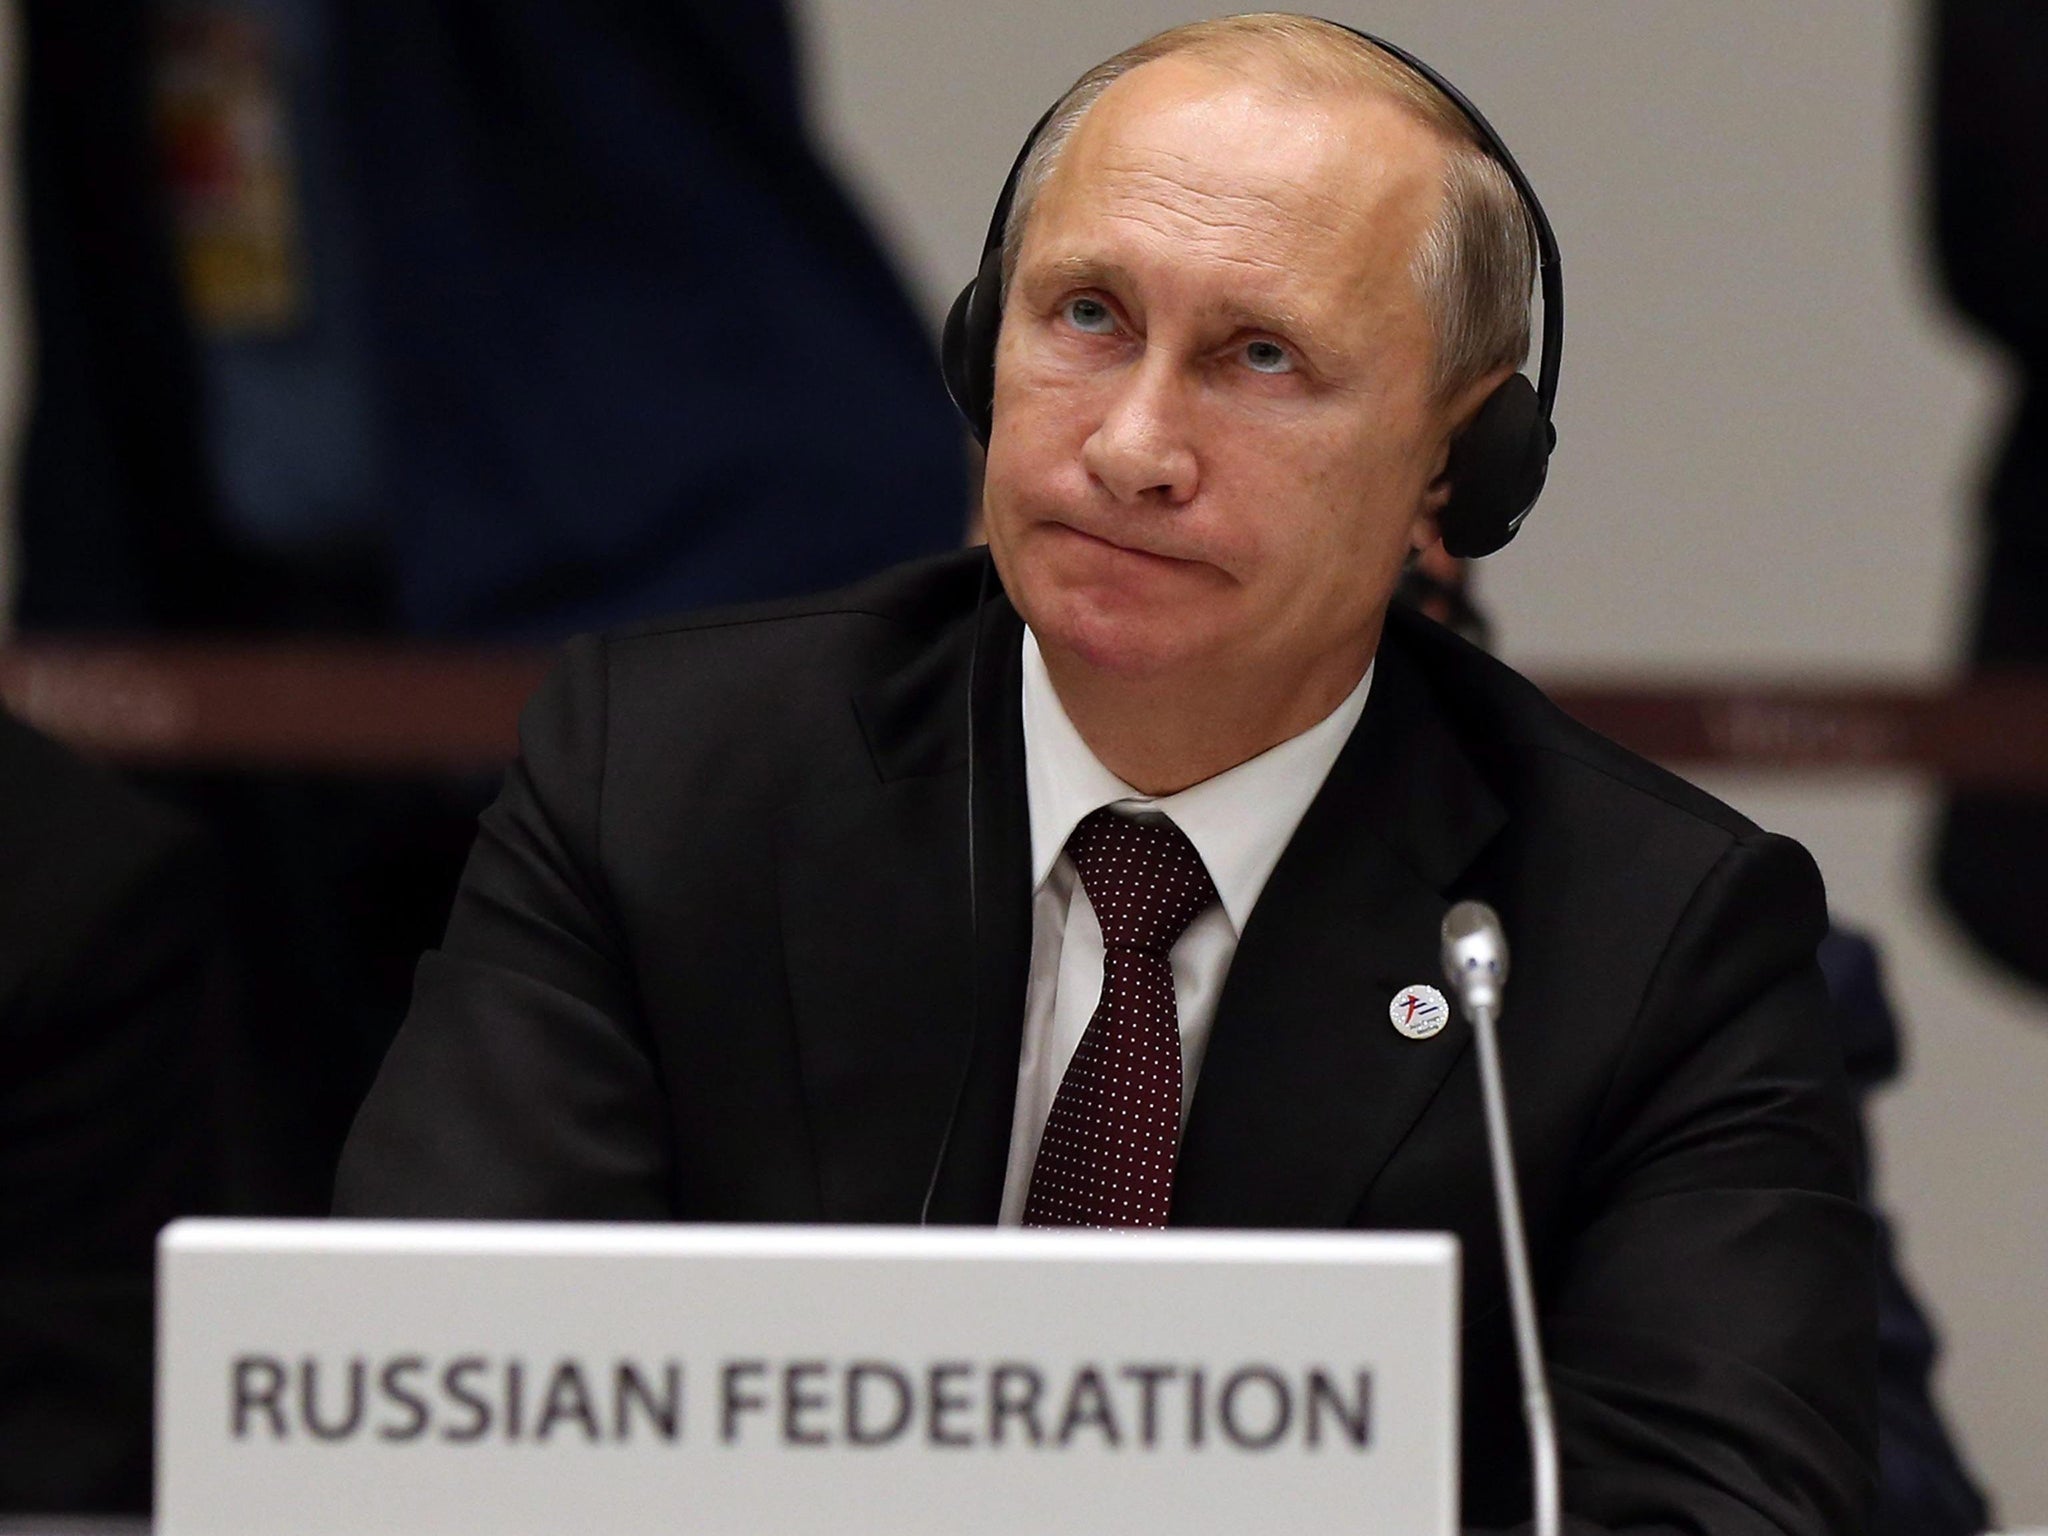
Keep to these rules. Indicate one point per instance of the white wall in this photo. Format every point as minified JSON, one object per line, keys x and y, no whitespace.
{"x":1768,"y":437}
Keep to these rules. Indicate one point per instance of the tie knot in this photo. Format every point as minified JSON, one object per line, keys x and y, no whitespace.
{"x":1144,"y":879}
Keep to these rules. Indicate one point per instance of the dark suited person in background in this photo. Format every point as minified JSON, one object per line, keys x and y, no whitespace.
{"x":1990,"y":162}
{"x":724,"y":951}
{"x":635,"y":347}
{"x":496,"y":322}
{"x":112,"y":1034}
{"x":1924,"y":1486}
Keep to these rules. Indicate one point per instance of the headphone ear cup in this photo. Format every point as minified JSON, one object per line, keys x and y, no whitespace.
{"x":953,"y":358}
{"x":967,"y":346}
{"x":1497,"y":467}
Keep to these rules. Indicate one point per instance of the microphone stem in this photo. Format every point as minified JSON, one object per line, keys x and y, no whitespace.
{"x":1521,"y":1294}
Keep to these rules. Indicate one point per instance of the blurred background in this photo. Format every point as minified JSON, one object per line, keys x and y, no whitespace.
{"x":348,"y":323}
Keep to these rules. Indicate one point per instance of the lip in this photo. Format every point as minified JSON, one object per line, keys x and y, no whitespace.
{"x":1135,"y":551}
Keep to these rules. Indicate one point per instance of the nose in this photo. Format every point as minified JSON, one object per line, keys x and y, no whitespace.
{"x":1141,"y":450}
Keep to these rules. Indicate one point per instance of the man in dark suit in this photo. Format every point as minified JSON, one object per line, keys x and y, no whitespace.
{"x":727,"y":950}
{"x":1989,"y":159}
{"x":112,"y":1039}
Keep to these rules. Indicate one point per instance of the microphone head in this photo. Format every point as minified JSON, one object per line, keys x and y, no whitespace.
{"x":1475,"y":956}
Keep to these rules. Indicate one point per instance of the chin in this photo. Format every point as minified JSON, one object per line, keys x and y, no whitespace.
{"x":1116,"y":638}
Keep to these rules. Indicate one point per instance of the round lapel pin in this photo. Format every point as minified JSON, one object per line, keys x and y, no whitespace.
{"x":1419,"y":1012}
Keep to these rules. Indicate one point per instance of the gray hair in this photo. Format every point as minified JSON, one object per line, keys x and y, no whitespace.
{"x":1474,"y":267}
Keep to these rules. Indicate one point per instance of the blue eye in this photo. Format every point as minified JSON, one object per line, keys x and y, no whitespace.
{"x":1268,"y":357}
{"x":1090,"y":315}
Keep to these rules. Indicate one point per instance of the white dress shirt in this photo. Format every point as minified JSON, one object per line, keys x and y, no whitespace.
{"x":1239,"y":821}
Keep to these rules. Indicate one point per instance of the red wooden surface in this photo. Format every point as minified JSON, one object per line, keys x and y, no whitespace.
{"x":374,"y":709}
{"x":353,"y":709}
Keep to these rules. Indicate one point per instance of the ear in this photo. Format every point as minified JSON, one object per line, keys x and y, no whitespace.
{"x":1423,"y":531}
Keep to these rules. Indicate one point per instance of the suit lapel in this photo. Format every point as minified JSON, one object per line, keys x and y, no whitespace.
{"x":893,"y":975}
{"x":1307,"y":1089}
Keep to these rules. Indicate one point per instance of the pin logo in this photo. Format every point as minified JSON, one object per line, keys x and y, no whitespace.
{"x":1419,"y":1012}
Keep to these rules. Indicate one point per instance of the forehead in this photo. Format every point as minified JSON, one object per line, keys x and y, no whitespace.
{"x":1201,"y":160}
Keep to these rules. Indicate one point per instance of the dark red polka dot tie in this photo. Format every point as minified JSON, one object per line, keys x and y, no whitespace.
{"x":1107,"y":1156}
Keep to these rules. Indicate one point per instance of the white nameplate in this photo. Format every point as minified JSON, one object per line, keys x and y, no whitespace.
{"x":526,"y":1380}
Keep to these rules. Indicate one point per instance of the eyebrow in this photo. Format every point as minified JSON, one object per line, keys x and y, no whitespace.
{"x":1091,"y":272}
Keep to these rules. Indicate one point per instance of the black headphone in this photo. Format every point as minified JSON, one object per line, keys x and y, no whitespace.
{"x":1497,"y":464}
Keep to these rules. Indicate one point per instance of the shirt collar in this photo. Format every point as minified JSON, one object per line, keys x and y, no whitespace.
{"x":1239,"y":821}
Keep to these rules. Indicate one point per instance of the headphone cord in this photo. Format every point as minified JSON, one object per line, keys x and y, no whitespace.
{"x":924,"y":1214}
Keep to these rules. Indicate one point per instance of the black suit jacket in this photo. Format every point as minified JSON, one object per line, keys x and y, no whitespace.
{"x":110,"y":1044}
{"x":715,"y":958}
{"x":1990,"y":165}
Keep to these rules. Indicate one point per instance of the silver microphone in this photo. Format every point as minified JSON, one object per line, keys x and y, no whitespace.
{"x":1475,"y":956}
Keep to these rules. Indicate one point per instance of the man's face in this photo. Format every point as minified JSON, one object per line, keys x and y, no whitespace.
{"x":1214,"y":443}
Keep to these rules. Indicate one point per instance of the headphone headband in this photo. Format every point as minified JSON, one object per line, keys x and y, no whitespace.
{"x":1549,"y":265}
